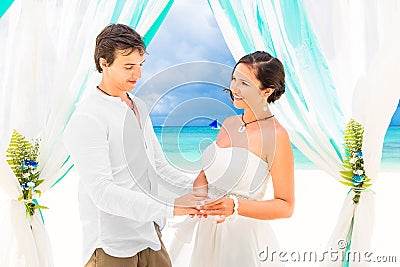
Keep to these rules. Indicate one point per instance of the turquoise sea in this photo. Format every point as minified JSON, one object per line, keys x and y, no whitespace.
{"x":183,"y":147}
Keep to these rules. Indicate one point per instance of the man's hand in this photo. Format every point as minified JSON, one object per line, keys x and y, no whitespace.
{"x":189,"y":203}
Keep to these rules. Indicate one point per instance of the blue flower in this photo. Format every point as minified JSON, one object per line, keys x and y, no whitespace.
{"x":33,"y":163}
{"x":26,"y":163}
{"x":357,"y":179}
{"x":25,"y":186}
{"x":359,"y":154}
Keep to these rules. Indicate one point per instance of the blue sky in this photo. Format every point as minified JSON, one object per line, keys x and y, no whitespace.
{"x":189,"y":34}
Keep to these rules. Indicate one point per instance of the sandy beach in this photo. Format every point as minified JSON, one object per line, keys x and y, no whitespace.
{"x":319,"y":198}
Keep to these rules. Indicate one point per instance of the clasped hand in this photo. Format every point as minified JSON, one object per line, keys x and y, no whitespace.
{"x":220,"y":206}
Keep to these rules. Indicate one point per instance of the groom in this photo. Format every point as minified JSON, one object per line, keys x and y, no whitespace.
{"x":121,"y":164}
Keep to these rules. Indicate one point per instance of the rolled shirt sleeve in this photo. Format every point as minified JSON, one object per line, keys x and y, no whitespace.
{"x":168,"y":177}
{"x":86,"y":140}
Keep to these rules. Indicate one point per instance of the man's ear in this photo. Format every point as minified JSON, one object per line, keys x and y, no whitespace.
{"x":103,"y":63}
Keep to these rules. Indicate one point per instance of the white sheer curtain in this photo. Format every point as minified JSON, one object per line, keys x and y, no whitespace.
{"x":360,"y":39}
{"x":341,"y":62}
{"x":309,"y":109}
{"x":47,"y":65}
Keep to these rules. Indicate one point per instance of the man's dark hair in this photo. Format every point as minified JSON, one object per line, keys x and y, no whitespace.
{"x":117,"y":37}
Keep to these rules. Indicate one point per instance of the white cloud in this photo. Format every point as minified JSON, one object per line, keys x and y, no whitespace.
{"x":189,"y":33}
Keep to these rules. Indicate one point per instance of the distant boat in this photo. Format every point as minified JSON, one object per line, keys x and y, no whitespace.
{"x":215,"y":125}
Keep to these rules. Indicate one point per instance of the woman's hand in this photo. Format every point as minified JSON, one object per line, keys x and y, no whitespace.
{"x":223,"y":207}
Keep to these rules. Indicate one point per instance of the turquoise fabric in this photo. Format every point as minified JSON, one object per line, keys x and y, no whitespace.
{"x":238,"y":19}
{"x":318,"y":77}
{"x":309,"y":84}
{"x":140,"y":7}
{"x":4,"y":5}
{"x":156,"y":25}
{"x":348,"y":247}
{"x":117,"y":10}
{"x":40,"y":211}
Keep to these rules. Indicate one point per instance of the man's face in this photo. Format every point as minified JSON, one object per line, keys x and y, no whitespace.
{"x":126,"y":69}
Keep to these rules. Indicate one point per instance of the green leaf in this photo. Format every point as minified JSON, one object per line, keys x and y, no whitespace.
{"x":347,"y":166}
{"x":41,"y":207}
{"x":347,"y":174}
{"x":11,"y":162}
{"x":20,"y":149}
{"x":348,"y":180}
{"x":347,"y":183}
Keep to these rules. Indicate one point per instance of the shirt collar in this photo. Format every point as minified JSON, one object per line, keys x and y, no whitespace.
{"x":102,"y":95}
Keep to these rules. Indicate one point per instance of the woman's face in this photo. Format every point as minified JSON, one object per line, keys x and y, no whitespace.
{"x":245,"y":88}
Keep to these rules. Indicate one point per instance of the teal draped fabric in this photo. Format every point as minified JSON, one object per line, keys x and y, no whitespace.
{"x":4,"y":5}
{"x":156,"y":25}
{"x":137,"y":15}
{"x":117,"y":11}
{"x":285,"y":32}
{"x":237,"y":18}
{"x":302,"y":38}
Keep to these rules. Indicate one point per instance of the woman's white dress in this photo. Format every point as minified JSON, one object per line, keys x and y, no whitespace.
{"x":239,"y":241}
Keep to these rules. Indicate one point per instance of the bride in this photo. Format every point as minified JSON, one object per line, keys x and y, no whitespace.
{"x":250,"y":150}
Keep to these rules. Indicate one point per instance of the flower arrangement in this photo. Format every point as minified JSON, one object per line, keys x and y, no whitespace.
{"x":22,"y":157}
{"x":354,"y":174}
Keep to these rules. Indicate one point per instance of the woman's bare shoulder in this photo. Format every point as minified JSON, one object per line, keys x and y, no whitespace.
{"x":281,"y":131}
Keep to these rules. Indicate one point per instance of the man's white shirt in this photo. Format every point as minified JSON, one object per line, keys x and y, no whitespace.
{"x":121,"y":169}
